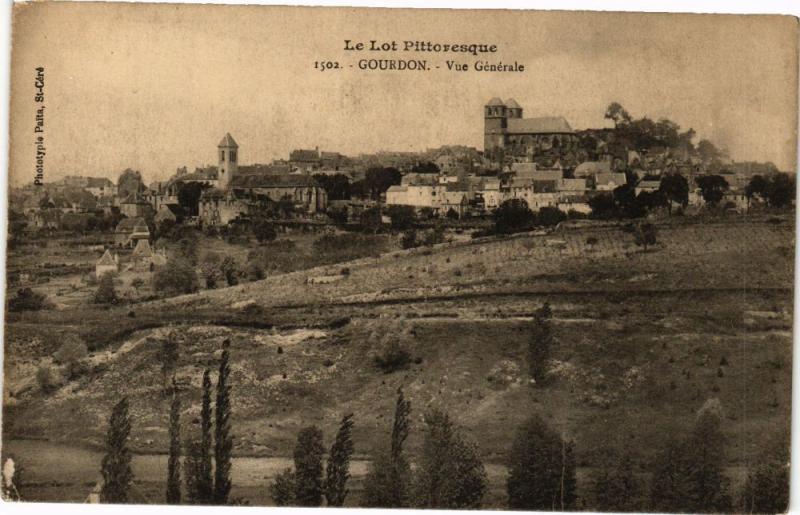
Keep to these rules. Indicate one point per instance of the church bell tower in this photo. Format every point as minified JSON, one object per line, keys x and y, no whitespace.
{"x":228,"y":161}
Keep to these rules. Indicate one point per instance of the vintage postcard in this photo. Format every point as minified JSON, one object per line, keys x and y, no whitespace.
{"x":405,"y":258}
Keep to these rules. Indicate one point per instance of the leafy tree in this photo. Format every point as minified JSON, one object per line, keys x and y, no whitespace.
{"x":615,"y":486}
{"x":603,"y":206}
{"x":616,"y":113}
{"x":27,"y":300}
{"x":513,"y":215}
{"x":378,"y":180}
{"x":675,"y":188}
{"x":337,"y":186}
{"x":168,"y":353}
{"x":264,"y":230}
{"x":387,"y":482}
{"x":757,"y":187}
{"x":177,"y":277}
{"x":539,"y":344}
{"x":780,"y":190}
{"x":550,"y":216}
{"x":173,"y":461}
{"x":712,"y":187}
{"x":541,"y":469}
{"x":450,"y":474}
{"x":766,"y":489}
{"x":223,"y":441}
{"x":403,"y":217}
{"x":688,"y":474}
{"x":645,"y":235}
{"x":338,"y":469}
{"x":230,"y":270}
{"x":409,"y":239}
{"x":200,"y":483}
{"x":308,"y":467}
{"x":189,"y":196}
{"x":426,"y":167}
{"x":707,"y":151}
{"x":371,"y":220}
{"x":106,"y":293}
{"x":627,"y":203}
{"x":282,"y":488}
{"x":651,"y":200}
{"x":116,"y":463}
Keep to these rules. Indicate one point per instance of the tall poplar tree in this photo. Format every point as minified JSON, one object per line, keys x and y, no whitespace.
{"x":338,"y":469}
{"x":223,"y":441}
{"x":174,"y":460}
{"x":199,"y":481}
{"x":308,"y":467}
{"x":116,"y":463}
{"x":388,"y":475}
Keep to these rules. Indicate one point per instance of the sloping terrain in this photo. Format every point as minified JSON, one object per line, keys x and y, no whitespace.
{"x":644,"y":339}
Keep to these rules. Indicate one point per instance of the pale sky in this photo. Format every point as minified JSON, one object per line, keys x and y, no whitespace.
{"x":155,"y":87}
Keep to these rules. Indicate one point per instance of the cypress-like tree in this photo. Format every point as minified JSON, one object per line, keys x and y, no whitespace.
{"x":388,"y":475}
{"x":338,"y":469}
{"x":540,"y":343}
{"x":688,"y":475}
{"x":223,"y":441}
{"x":615,"y":486}
{"x":174,"y":460}
{"x":766,"y":489}
{"x":282,"y":488}
{"x":116,"y":463}
{"x":199,"y":481}
{"x":541,"y":469}
{"x":308,"y":467}
{"x":450,"y":474}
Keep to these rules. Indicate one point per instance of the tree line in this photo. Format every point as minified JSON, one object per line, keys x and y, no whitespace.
{"x":686,"y":475}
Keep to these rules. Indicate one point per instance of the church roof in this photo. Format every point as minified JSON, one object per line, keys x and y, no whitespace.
{"x":272,"y":181}
{"x":495,"y":102}
{"x":513,"y":104}
{"x":106,"y":259}
{"x":228,"y":141}
{"x":543,"y":125}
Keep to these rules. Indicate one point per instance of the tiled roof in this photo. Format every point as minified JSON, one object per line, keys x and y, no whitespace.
{"x":98,"y":182}
{"x":543,"y":125}
{"x":589,"y":168}
{"x":513,"y":104}
{"x":304,"y":155}
{"x":607,"y":178}
{"x":134,"y":224}
{"x":495,"y":102}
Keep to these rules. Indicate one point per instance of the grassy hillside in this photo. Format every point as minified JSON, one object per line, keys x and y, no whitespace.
{"x":644,"y":339}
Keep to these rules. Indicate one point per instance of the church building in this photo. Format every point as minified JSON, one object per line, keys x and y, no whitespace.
{"x":510,"y":137}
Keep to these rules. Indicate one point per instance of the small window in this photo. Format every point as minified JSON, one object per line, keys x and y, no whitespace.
{"x":222,"y":155}
{"x":233,"y":156}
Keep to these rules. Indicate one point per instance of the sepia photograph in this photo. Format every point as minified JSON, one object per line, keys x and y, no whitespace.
{"x":364,"y":257}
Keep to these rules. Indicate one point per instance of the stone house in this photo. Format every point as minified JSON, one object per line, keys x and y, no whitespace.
{"x":107,"y":263}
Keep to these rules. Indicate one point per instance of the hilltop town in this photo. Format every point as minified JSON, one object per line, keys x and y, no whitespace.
{"x":334,"y":281}
{"x":639,"y":166}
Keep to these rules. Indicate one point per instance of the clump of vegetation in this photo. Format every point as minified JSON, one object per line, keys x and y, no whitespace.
{"x":392,"y":358}
{"x":71,"y":355}
{"x":27,"y":300}
{"x":450,"y":475}
{"x":106,"y":292}
{"x":513,"y":215}
{"x":177,"y":277}
{"x":644,"y":235}
{"x":48,"y":379}
{"x":541,"y":469}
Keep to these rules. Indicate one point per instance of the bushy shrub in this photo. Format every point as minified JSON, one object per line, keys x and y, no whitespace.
{"x":513,"y":215}
{"x":48,"y":379}
{"x":549,"y":216}
{"x":27,"y":300}
{"x":106,"y":293}
{"x":71,"y":350}
{"x":394,"y":357}
{"x":409,"y":239}
{"x":177,"y":277}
